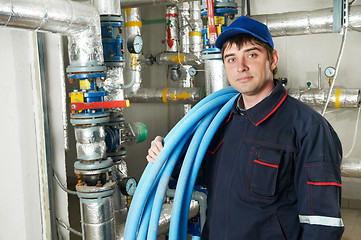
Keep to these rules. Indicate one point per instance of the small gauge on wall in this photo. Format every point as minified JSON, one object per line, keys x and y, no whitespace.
{"x":330,"y":72}
{"x":135,"y":44}
{"x":128,"y":186}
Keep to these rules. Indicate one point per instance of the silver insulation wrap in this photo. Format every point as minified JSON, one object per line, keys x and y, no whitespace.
{"x":164,"y":220}
{"x":80,"y":22}
{"x":108,"y":7}
{"x":216,"y":78}
{"x":177,"y":58}
{"x":340,"y":98}
{"x":166,"y":95}
{"x":97,"y":218}
{"x":112,"y":84}
{"x":90,"y":144}
{"x":138,"y":3}
{"x":195,"y":35}
{"x":311,"y":22}
{"x":133,"y":26}
{"x":171,"y":20}
{"x":184,"y":27}
{"x":351,"y":167}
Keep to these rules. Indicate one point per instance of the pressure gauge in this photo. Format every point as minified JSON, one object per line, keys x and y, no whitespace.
{"x":330,"y":72}
{"x":128,"y":186}
{"x":135,"y":44}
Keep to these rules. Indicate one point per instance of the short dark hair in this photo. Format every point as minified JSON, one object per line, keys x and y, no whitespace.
{"x":241,"y":38}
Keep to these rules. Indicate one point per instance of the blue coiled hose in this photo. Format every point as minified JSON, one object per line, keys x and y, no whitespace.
{"x":174,"y":143}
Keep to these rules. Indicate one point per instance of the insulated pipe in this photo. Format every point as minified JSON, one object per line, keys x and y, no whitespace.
{"x":166,"y":214}
{"x":311,"y":22}
{"x":340,"y":98}
{"x":138,"y":3}
{"x":171,"y":19}
{"x":80,"y":22}
{"x":132,"y":26}
{"x":177,"y":58}
{"x":195,"y":35}
{"x":184,"y":27}
{"x":165,"y":95}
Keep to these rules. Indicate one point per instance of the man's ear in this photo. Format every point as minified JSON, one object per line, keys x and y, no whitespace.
{"x":274,"y":60}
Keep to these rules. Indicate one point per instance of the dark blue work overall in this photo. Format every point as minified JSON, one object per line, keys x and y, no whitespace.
{"x":273,"y":172}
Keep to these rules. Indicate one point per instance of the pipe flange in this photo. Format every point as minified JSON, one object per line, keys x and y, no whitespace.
{"x":91,"y":68}
{"x":92,"y":192}
{"x":93,"y":167}
{"x":93,"y":118}
{"x":211,"y":54}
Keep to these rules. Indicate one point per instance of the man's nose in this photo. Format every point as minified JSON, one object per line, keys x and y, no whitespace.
{"x":242,"y":65}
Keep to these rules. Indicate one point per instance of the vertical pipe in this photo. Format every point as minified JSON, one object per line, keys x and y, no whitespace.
{"x":171,"y":19}
{"x":195,"y":34}
{"x":133,"y":26}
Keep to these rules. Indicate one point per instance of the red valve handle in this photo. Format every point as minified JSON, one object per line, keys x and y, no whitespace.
{"x":211,"y":25}
{"x":77,"y":106}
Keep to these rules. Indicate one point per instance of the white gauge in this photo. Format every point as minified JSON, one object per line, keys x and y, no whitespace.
{"x":128,"y":186}
{"x":135,"y":44}
{"x":330,"y":71}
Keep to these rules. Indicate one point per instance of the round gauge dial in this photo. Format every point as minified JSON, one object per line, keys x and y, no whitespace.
{"x":330,"y":71}
{"x":135,"y":44}
{"x":128,"y":186}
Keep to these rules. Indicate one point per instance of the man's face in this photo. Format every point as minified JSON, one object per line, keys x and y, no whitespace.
{"x":249,"y":70}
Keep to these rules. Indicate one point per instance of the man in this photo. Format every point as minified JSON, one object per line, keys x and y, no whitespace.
{"x":273,"y":168}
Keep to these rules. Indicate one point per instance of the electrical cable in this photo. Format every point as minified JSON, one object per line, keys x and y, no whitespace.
{"x":69,"y":228}
{"x":62,"y":186}
{"x":154,"y":171}
{"x":338,"y":62}
{"x":336,"y":70}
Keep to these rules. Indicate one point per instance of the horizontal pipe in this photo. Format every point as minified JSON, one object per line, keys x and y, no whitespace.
{"x":340,"y":98}
{"x":164,"y":220}
{"x":138,"y":3}
{"x":165,"y":95}
{"x":177,"y":58}
{"x":80,"y":22}
{"x":306,"y":22}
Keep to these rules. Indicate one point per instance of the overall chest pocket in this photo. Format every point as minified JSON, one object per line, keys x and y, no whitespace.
{"x":265,"y":168}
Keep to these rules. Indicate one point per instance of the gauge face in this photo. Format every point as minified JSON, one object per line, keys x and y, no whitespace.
{"x":128,"y":186}
{"x":330,"y":72}
{"x":135,"y":44}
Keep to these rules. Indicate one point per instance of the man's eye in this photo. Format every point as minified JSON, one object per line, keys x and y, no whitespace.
{"x":231,"y":60}
{"x":252,"y":55}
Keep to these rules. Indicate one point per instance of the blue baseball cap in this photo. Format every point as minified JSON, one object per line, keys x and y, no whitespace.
{"x":245,"y":25}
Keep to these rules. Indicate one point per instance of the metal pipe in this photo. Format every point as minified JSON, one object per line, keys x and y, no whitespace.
{"x":171,"y":19}
{"x":177,"y":58}
{"x":80,"y":22}
{"x":340,"y":98}
{"x":98,"y":218}
{"x":184,"y":27}
{"x":138,"y":3}
{"x":133,"y":26}
{"x":165,"y":95}
{"x":307,"y":22}
{"x":195,"y":35}
{"x":164,"y":220}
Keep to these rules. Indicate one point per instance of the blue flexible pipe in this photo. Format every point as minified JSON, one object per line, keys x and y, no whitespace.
{"x":211,"y":130}
{"x":152,"y":172}
{"x":201,"y":128}
{"x":186,"y":170}
{"x":156,"y":206}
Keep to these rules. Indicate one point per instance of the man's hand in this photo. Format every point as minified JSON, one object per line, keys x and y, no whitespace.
{"x":156,"y":147}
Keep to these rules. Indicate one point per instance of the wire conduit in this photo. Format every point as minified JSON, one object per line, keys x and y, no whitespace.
{"x":175,"y":142}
